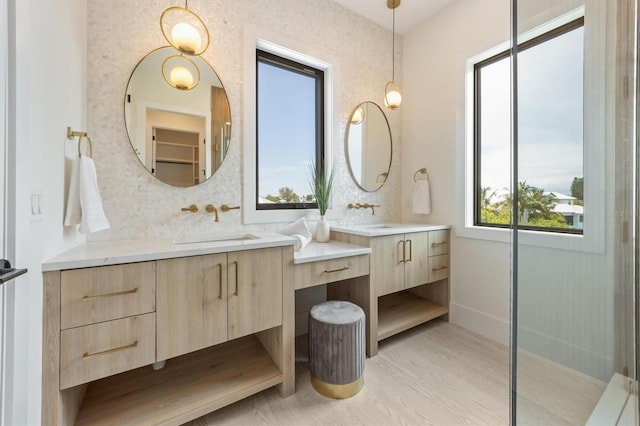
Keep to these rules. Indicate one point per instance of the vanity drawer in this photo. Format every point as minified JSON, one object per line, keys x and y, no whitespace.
{"x":438,"y":267}
{"x":438,"y":242}
{"x":105,"y":293}
{"x":95,"y":351}
{"x":328,"y":271}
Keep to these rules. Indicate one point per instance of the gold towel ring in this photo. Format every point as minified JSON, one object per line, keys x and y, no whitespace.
{"x":80,"y":145}
{"x":72,"y":134}
{"x":421,"y":171}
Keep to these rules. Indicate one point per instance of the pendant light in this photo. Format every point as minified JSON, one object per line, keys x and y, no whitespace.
{"x":392,"y":96}
{"x":184,"y":30}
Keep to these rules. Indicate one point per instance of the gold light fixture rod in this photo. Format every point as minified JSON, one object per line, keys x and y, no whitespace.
{"x":392,"y":4}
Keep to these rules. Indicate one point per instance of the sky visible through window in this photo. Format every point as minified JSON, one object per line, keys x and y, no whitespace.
{"x":286,"y":129}
{"x":550,"y":116}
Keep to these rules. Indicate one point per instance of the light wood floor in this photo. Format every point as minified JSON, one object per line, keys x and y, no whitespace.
{"x":434,"y":374}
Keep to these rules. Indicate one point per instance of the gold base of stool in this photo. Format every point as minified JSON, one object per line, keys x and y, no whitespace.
{"x":337,"y":391}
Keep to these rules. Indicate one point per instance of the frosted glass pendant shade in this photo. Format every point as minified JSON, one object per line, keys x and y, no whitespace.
{"x":180,"y":72}
{"x":392,"y":95}
{"x":186,"y":38}
{"x":184,"y":30}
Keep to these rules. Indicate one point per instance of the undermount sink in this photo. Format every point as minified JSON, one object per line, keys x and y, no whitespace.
{"x":214,"y":238}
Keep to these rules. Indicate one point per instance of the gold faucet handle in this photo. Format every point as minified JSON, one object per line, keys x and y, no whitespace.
{"x":225,"y":208}
{"x":192,"y":208}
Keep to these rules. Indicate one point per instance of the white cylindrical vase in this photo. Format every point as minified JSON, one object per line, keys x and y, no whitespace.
{"x":322,"y":230}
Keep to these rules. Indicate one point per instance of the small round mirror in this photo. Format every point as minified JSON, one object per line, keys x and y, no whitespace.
{"x":369,"y":146}
{"x":179,"y":130}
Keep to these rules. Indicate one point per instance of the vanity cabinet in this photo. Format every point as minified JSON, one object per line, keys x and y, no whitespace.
{"x":409,"y":273}
{"x":220,"y":297}
{"x":192,"y":304}
{"x":398,"y":262}
{"x":223,"y":321}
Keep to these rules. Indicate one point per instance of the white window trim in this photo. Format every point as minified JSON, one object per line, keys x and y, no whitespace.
{"x":259,"y":38}
{"x":594,"y":150}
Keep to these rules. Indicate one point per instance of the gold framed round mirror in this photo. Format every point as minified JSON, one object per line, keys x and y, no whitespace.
{"x":368,"y":146}
{"x":179,"y":130}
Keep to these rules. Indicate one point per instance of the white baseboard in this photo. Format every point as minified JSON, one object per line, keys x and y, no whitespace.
{"x":486,"y":325}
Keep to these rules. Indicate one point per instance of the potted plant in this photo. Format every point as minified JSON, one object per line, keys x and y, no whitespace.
{"x":321,"y":184}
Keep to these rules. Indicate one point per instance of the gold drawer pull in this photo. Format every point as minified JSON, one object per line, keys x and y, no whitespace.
{"x":434,"y":245}
{"x":117,"y":293}
{"x":439,"y":268}
{"x":330,"y":271}
{"x":121,"y":348}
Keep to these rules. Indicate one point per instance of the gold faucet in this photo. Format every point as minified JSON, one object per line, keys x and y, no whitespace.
{"x":192,"y":208}
{"x":364,"y":206}
{"x":225,"y":208}
{"x":210,"y":208}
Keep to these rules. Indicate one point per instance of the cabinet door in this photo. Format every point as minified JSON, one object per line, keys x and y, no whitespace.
{"x":416,"y":265}
{"x":387,"y":264}
{"x":255,"y":291}
{"x":191,"y":304}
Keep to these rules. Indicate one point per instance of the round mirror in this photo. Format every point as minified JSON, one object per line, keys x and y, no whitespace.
{"x":178,"y":117}
{"x":369,"y":146}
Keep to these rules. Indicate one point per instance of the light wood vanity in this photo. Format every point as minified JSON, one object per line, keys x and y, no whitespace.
{"x":220,"y":313}
{"x":409,"y":274}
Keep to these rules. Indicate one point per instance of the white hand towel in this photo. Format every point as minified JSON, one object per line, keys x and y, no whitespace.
{"x":300,"y":231}
{"x":93,"y":217}
{"x":73,"y":215}
{"x":301,"y":241}
{"x":422,"y":197}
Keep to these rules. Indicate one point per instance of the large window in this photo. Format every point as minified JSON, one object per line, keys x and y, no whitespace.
{"x":290,"y":131}
{"x":550,"y":134}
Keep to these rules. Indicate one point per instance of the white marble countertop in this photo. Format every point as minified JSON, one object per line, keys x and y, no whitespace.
{"x":376,"y":230}
{"x":315,"y":251}
{"x":101,"y":253}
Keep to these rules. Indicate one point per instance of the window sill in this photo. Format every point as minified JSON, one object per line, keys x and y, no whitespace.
{"x":553,"y":240}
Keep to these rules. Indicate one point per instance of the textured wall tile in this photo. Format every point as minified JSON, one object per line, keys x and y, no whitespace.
{"x":121,"y":32}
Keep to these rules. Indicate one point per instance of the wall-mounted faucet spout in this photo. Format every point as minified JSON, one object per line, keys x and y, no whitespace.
{"x":364,"y":206}
{"x":210,"y":208}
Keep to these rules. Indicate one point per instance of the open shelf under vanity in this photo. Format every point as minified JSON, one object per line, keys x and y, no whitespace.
{"x":188,"y":386}
{"x":403,"y":310}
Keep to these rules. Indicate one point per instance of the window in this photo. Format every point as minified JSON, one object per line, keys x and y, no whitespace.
{"x":550,"y":134}
{"x":290,"y":131}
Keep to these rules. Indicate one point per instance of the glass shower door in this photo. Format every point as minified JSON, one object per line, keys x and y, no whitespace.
{"x":574,"y":212}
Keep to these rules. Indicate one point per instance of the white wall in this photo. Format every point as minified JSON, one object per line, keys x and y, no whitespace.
{"x":565,"y":297}
{"x":434,"y":63}
{"x":47,"y":80}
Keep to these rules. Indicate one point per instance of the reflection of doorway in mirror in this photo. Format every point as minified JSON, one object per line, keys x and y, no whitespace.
{"x":177,"y":148}
{"x":176,"y":157}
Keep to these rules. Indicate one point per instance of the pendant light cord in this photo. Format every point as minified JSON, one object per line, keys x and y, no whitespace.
{"x":393,"y":47}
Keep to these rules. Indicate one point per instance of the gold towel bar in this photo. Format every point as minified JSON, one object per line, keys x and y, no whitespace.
{"x":420,"y":171}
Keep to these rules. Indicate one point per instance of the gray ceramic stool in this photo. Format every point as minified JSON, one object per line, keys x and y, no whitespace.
{"x":336,"y":348}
